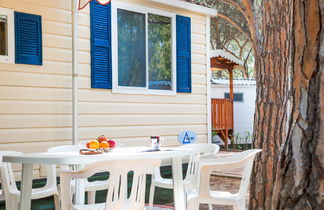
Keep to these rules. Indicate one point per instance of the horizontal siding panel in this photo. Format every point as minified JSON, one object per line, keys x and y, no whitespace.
{"x":56,"y":54}
{"x":90,"y":95}
{"x":115,"y":108}
{"x":64,"y":42}
{"x":198,"y":28}
{"x":27,"y":93}
{"x":35,"y":80}
{"x":35,"y":121}
{"x":198,"y":69}
{"x":63,"y":5}
{"x":198,"y":59}
{"x":41,"y":107}
{"x":49,"y":67}
{"x":199,"y":89}
{"x":198,"y":39}
{"x":129,"y":120}
{"x":64,"y":29}
{"x":198,"y":49}
{"x":199,"y":79}
{"x":60,"y":121}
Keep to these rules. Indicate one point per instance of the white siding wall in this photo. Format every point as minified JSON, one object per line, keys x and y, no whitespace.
{"x":243,"y":111}
{"x":35,"y":101}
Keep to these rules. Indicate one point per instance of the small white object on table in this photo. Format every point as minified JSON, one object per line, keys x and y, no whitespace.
{"x":74,"y":158}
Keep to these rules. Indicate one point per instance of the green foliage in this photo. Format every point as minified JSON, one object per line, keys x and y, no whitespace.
{"x":131,"y":49}
{"x":160,"y":47}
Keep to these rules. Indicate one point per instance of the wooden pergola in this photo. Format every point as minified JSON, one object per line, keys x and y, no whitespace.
{"x":222,"y":108}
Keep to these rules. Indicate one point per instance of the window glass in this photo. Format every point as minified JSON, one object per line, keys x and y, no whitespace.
{"x":131,"y":48}
{"x":160,"y":52}
{"x":238,"y":97}
{"x":3,"y":35}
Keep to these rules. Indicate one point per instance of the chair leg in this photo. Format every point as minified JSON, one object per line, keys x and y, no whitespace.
{"x":57,"y":202}
{"x":193,"y":204}
{"x":210,"y":206}
{"x":151,"y":199}
{"x":240,"y":205}
{"x":91,"y":197}
{"x":12,"y":202}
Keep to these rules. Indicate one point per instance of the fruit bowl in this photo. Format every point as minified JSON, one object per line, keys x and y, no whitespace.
{"x":99,"y":145}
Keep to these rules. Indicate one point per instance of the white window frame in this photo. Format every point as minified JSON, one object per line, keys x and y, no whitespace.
{"x":11,"y":36}
{"x":144,"y":10}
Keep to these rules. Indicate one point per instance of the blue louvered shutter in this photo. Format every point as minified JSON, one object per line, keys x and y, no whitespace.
{"x":28,"y":36}
{"x":101,"y":63}
{"x":183,"y":54}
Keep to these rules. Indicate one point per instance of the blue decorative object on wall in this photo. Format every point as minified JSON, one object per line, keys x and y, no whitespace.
{"x":187,"y":137}
{"x":101,"y":62}
{"x":28,"y":36}
{"x":183,"y":54}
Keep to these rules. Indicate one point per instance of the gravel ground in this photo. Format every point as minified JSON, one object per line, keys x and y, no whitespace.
{"x":221,"y":183}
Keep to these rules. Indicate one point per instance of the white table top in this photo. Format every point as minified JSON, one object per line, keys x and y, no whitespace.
{"x":71,"y":158}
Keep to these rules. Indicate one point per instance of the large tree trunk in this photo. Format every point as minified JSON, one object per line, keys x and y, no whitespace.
{"x":270,"y":121}
{"x":288,"y":114}
{"x":301,"y":173}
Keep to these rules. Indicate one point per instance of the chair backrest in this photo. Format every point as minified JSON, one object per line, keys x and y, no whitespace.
{"x":117,"y":197}
{"x":7,"y":176}
{"x":51,"y":169}
{"x":201,"y":150}
{"x":245,"y":159}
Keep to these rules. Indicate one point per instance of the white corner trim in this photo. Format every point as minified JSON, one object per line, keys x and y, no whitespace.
{"x":188,"y":6}
{"x":209,"y":114}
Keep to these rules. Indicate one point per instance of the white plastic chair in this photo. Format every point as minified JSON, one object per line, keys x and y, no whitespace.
{"x":11,"y":192}
{"x":117,"y":196}
{"x":205,"y":195}
{"x":89,"y":187}
{"x":201,"y":151}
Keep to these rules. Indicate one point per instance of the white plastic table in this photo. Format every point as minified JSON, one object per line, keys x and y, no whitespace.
{"x":74,"y":158}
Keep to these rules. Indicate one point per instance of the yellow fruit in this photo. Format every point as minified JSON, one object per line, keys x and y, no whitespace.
{"x":94,"y":144}
{"x":104,"y":145}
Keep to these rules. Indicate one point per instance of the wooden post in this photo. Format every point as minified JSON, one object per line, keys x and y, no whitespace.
{"x":231,"y":83}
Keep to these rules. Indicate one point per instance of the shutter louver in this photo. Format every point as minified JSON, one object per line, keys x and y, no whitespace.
{"x":183,"y":54}
{"x":101,"y":61}
{"x":28,"y":35}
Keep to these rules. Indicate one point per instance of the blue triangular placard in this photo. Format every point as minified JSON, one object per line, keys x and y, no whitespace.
{"x":186,"y":139}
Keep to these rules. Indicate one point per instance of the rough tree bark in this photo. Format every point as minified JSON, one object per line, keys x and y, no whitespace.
{"x":300,"y":172}
{"x":288,"y":108}
{"x":273,"y":61}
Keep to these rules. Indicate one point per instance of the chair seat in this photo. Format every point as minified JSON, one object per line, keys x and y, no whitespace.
{"x":167,"y":183}
{"x":224,"y":195}
{"x":97,"y":206}
{"x":38,"y":193}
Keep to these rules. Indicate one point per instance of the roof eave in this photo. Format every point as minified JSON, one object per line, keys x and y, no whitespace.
{"x":188,"y":6}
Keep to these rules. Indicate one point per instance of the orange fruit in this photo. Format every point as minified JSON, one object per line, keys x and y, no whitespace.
{"x":104,"y":145}
{"x":94,"y":144}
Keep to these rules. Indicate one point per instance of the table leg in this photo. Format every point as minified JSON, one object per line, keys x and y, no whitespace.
{"x":178,"y":189}
{"x":26,"y":186}
{"x":79,"y":189}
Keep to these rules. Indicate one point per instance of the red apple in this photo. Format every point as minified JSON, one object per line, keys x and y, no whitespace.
{"x":112,"y":143}
{"x":101,"y":138}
